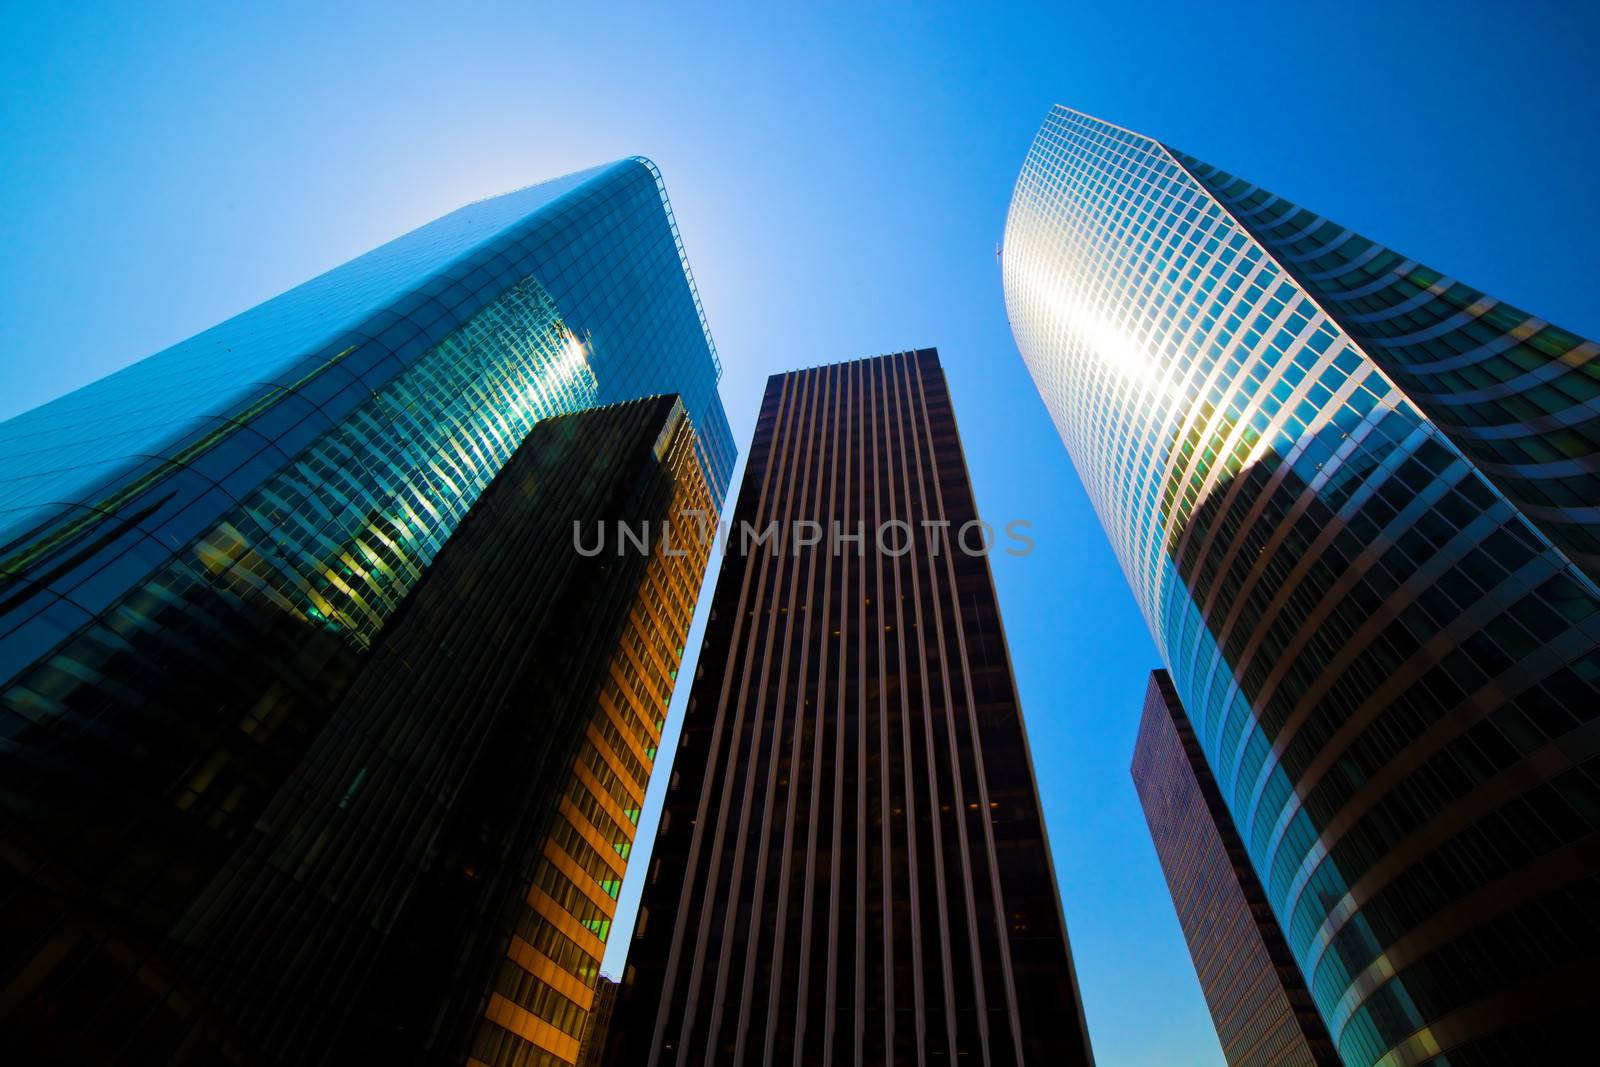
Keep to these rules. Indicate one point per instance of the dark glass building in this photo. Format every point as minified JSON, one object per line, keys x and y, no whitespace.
{"x":439,"y":873}
{"x":1350,"y":498}
{"x":592,"y":1047}
{"x":1263,"y":1012}
{"x":203,"y":555}
{"x":851,"y":865}
{"x":436,"y":876}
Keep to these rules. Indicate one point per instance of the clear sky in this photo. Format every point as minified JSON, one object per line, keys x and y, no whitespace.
{"x":841,"y":177}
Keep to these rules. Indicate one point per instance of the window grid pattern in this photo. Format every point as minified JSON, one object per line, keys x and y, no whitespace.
{"x":603,"y":242}
{"x":327,"y":544}
{"x":1520,"y":396}
{"x":343,"y":532}
{"x":1372,"y":640}
{"x":198,"y":553}
{"x":587,"y":850}
{"x":421,"y":860}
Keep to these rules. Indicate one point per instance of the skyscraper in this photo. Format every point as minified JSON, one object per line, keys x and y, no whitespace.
{"x":1519,"y":396}
{"x":1388,"y":651}
{"x":203,"y":558}
{"x":439,"y":873}
{"x":1259,"y":1002}
{"x":851,"y":865}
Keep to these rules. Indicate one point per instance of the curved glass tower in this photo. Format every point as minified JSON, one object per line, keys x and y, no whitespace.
{"x":1349,"y":496}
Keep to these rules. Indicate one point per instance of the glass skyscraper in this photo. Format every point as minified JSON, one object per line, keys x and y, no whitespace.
{"x":851,"y":865}
{"x":1350,"y":497}
{"x":201,"y":554}
{"x":1519,"y":396}
{"x":436,"y":879}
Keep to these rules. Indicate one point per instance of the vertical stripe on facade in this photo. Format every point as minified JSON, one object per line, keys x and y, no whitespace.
{"x":828,"y":885}
{"x":1263,"y":1012}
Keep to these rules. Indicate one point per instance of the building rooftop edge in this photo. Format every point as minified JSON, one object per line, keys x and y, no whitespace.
{"x":932,"y":349}
{"x":683,"y":258}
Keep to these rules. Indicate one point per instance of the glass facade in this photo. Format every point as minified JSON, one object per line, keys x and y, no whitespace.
{"x":851,"y":865}
{"x":437,"y":874}
{"x":602,"y":243}
{"x":1392,"y":668}
{"x":1518,"y":396}
{"x":549,"y":1004}
{"x":1260,"y":1005}
{"x":199,"y":553}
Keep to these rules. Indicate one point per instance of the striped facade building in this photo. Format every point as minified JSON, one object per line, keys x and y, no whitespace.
{"x":851,"y":866}
{"x":1352,"y":498}
{"x":1260,"y":1005}
{"x":547,"y":998}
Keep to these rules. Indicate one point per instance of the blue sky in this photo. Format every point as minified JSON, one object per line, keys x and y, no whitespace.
{"x":841,"y":177}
